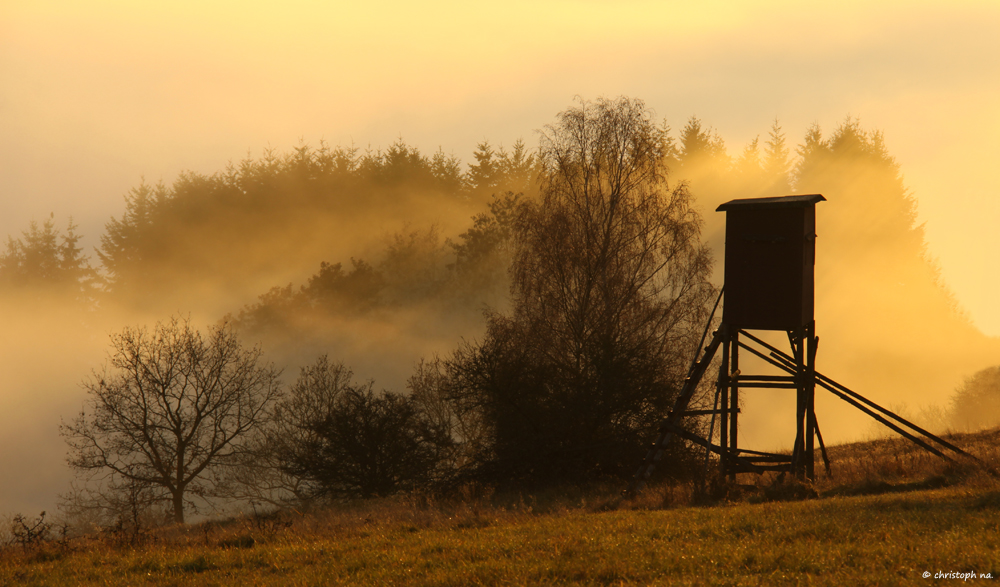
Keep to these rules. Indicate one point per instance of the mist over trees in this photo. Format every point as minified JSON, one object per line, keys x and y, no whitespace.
{"x":907,"y":324}
{"x":531,"y":313}
{"x":44,"y":261}
{"x":232,"y":234}
{"x":889,"y":325}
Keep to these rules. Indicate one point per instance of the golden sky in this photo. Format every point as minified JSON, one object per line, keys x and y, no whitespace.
{"x":95,"y":95}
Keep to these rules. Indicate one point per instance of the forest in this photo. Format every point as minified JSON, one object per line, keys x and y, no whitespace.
{"x":520,"y":322}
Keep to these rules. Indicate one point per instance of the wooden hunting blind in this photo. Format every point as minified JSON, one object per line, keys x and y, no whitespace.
{"x":770,"y":254}
{"x":770,"y":258}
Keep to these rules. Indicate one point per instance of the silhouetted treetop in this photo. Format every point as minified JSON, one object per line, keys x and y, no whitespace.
{"x":856,"y":172}
{"x":497,"y":170}
{"x":777,"y":164}
{"x":698,"y":144}
{"x":127,"y":243}
{"x":45,"y":261}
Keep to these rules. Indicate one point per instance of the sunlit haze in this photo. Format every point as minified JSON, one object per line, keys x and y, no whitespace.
{"x":95,"y":96}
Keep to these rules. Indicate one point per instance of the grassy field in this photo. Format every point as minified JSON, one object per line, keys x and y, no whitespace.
{"x":887,"y":517}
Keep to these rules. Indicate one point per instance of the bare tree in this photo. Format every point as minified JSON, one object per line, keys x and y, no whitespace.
{"x":170,"y":410}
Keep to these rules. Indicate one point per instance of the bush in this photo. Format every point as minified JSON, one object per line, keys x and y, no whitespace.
{"x":346,"y":441}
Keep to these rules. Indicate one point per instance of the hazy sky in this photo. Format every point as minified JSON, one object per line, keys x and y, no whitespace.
{"x":94,"y":95}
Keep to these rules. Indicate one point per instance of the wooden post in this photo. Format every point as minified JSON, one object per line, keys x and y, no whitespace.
{"x":724,"y":405}
{"x":734,"y":396}
{"x":810,"y":393}
{"x":796,"y":339}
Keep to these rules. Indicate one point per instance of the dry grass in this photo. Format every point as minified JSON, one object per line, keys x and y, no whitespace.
{"x":887,"y":516}
{"x":896,"y":463}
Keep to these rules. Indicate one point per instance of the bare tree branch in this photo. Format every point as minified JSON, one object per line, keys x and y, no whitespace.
{"x":170,"y":407}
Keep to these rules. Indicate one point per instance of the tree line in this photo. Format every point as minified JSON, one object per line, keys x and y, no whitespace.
{"x":277,"y":210}
{"x":252,"y":219}
{"x":593,"y":250}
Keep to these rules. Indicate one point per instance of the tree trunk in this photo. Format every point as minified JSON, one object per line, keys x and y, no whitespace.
{"x":179,"y":506}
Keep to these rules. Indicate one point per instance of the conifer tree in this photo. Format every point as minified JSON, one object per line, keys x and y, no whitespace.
{"x":776,"y":161}
{"x":128,"y":243}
